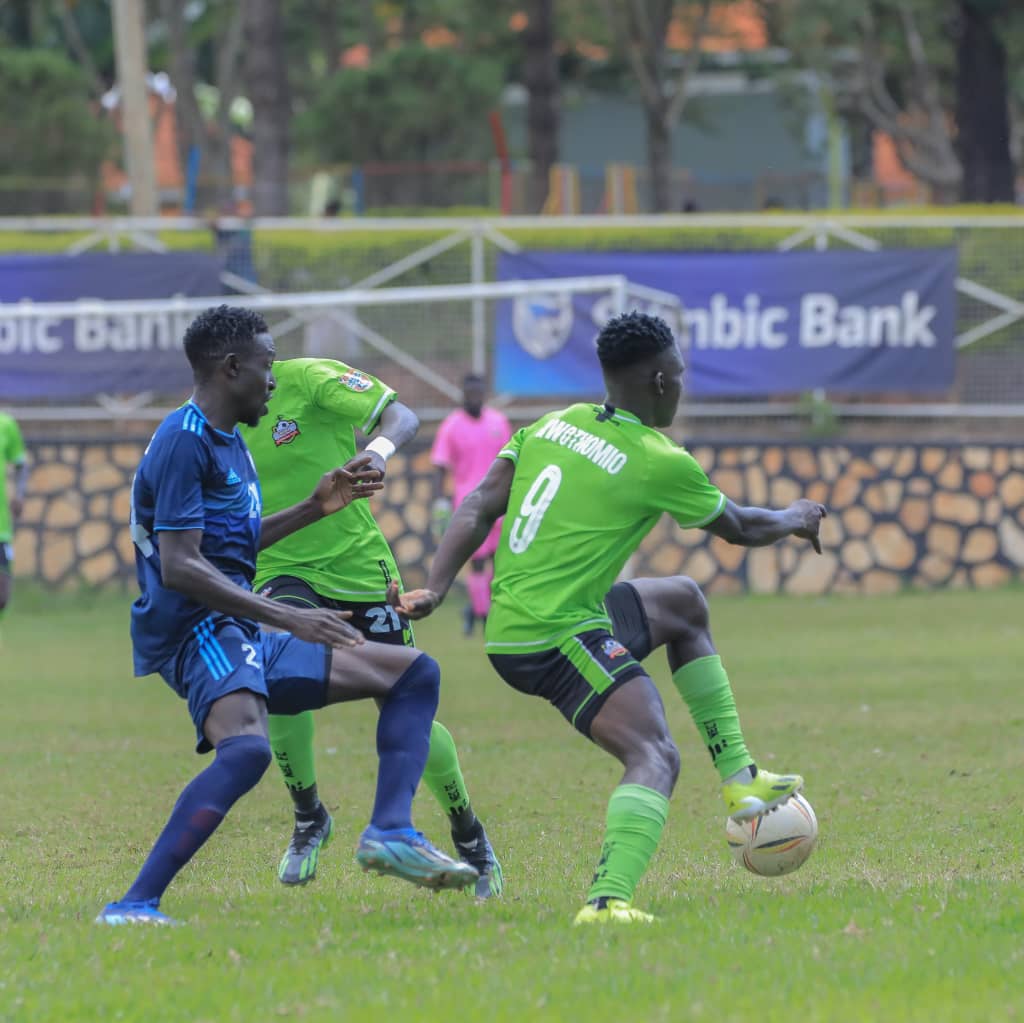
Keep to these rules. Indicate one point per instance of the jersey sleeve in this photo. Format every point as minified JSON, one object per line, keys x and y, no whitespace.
{"x":175,"y":469}
{"x":441,"y":453}
{"x":15,"y":445}
{"x":513,"y":446}
{"x":680,"y":487}
{"x":349,"y":394}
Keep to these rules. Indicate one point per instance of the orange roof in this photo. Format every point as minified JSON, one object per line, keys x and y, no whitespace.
{"x":737,"y":26}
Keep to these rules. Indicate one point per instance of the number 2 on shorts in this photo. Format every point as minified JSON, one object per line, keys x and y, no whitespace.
{"x":537,"y":501}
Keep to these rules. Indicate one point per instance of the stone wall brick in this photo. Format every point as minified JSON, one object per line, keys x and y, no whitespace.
{"x":952,"y":476}
{"x":962,"y":508}
{"x":982,"y":484}
{"x":1011,"y":539}
{"x":1011,"y":490}
{"x":980,"y":545}
{"x":763,"y":570}
{"x":915,"y":513}
{"x":892,"y":547}
{"x":857,"y":521}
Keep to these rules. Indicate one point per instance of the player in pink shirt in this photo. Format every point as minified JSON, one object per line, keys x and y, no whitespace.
{"x":466,"y":445}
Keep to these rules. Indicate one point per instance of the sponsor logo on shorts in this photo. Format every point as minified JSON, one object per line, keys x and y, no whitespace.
{"x":284,"y":431}
{"x":613,"y":648}
{"x":266,"y":591}
{"x":355,"y":381}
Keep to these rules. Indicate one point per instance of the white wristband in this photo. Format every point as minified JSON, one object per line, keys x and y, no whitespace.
{"x":381,"y":446}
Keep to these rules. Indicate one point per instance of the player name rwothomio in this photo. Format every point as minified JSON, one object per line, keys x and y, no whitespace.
{"x":599,"y":451}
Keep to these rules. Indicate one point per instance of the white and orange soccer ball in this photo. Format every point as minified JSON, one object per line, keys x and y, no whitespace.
{"x":777,"y":842}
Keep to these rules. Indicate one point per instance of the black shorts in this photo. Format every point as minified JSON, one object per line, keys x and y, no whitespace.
{"x":378,"y":622}
{"x":6,"y":558}
{"x":579,"y":675}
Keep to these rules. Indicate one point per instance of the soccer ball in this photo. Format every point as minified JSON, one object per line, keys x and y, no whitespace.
{"x":777,"y":842}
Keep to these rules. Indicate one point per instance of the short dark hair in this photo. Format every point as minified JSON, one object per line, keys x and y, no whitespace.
{"x":216,"y":332}
{"x":631,"y":338}
{"x":473,"y":378}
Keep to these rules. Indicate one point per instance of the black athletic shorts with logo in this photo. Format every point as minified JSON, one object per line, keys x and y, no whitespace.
{"x":581,"y":673}
{"x":377,"y":621}
{"x":6,"y":558}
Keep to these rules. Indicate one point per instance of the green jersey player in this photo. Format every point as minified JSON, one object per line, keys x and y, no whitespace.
{"x":579,"y":490}
{"x":345,"y":565}
{"x":12,"y":452}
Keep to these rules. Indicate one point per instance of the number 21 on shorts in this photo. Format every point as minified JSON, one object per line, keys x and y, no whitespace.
{"x":531,"y":512}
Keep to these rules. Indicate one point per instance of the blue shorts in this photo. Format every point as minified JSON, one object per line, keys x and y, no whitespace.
{"x":225,"y":655}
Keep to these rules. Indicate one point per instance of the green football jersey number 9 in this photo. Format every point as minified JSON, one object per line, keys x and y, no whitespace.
{"x":531,"y":512}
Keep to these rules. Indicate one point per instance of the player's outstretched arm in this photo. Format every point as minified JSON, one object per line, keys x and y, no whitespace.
{"x":336,"y":489}
{"x":184,"y":569}
{"x":759,"y":527}
{"x":468,"y":529}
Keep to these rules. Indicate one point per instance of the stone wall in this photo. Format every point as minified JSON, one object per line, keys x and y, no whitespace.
{"x":900,"y":514}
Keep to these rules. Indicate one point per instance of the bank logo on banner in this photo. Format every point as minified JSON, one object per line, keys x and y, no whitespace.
{"x":542,"y":323}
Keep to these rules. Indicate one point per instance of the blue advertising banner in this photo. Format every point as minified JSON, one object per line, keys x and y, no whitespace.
{"x":86,"y":354}
{"x":753,"y":324}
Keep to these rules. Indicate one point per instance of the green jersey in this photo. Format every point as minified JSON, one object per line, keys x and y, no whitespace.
{"x":590,"y":483}
{"x":12,"y":452}
{"x":310,"y":429}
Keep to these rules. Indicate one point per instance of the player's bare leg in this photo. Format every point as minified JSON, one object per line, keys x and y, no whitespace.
{"x":679,"y":620}
{"x":631,"y":726}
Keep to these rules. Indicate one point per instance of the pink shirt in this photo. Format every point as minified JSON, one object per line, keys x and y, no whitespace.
{"x":467,"y":446}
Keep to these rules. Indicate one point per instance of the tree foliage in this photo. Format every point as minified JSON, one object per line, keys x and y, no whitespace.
{"x":388,"y":111}
{"x":47,"y":121}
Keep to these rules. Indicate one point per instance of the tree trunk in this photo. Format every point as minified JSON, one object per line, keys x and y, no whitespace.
{"x":540,"y":67}
{"x":983,"y":120}
{"x":659,"y":157}
{"x":189,"y":129}
{"x":267,"y":86}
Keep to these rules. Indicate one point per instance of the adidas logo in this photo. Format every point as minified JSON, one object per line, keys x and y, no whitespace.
{"x":233,"y":477}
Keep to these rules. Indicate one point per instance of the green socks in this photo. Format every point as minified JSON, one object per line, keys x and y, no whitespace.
{"x":704,"y":686}
{"x":291,"y":739}
{"x":636,"y":817}
{"x":443,"y":776}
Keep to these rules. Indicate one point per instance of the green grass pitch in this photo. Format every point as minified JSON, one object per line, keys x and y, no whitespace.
{"x":905,"y":714}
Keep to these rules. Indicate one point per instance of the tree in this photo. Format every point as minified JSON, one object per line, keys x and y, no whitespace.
{"x":982,"y":107}
{"x":931,"y":76}
{"x":48,"y":126}
{"x":540,"y":76}
{"x":642,"y":26}
{"x":267,"y":87}
{"x":383,"y":113}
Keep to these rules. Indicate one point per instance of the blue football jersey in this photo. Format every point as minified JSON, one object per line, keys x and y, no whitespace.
{"x":192,"y":476}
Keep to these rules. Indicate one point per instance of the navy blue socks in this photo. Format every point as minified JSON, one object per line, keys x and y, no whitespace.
{"x":403,"y":738}
{"x":238,"y":765}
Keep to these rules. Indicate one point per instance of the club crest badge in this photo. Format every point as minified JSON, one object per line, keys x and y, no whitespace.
{"x":542,"y":323}
{"x":355,"y":381}
{"x":284,"y":431}
{"x":613,"y":648}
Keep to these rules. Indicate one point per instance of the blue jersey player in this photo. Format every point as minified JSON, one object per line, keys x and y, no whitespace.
{"x":196,"y":523}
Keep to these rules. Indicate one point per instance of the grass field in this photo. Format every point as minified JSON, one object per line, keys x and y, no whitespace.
{"x":905,"y":714}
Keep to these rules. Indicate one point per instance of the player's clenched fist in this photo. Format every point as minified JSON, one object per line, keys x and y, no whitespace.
{"x":413,"y":604}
